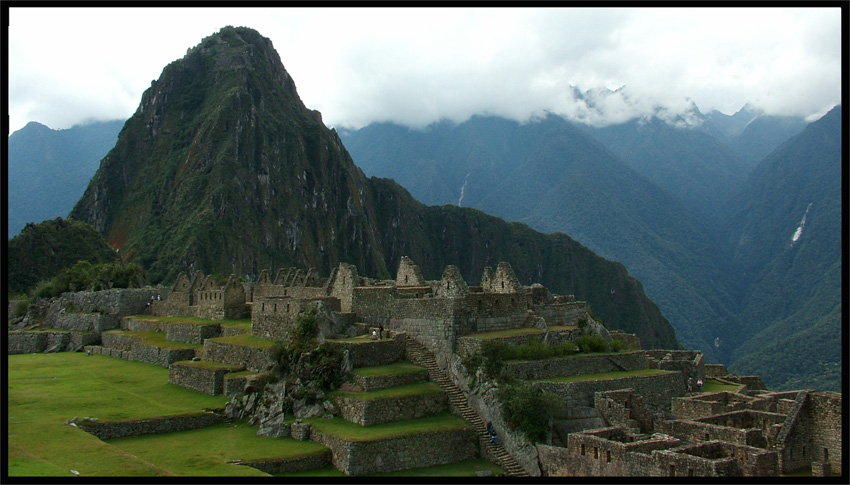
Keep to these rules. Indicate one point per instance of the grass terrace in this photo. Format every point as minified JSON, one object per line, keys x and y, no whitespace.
{"x":399,"y":368}
{"x":180,"y":452}
{"x":246,"y":340}
{"x":46,"y":390}
{"x":405,"y":390}
{"x":190,"y":320}
{"x":712,"y":385}
{"x":156,"y":339}
{"x":601,"y":376}
{"x":354,"y":432}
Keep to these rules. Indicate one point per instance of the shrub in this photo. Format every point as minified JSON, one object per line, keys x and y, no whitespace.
{"x":528,"y":409}
{"x":592,"y":343}
{"x":616,"y":345}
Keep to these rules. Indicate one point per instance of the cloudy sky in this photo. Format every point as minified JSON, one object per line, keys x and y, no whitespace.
{"x":415,"y":66}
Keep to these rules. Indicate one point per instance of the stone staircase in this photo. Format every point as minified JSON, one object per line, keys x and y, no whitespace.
{"x":419,"y":355}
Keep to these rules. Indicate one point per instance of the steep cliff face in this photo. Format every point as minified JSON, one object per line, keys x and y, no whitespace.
{"x":223,"y":169}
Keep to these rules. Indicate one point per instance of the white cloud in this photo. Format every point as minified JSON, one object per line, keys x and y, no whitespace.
{"x":417,"y":65}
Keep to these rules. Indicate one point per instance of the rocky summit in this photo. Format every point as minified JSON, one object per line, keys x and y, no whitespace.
{"x":222,"y":169}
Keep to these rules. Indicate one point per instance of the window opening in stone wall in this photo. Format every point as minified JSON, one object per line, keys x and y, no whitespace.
{"x":608,"y":456}
{"x":405,"y":278}
{"x":503,"y":285}
{"x":263,"y":307}
{"x":582,"y":449}
{"x":596,"y":452}
{"x":285,"y":291}
{"x":672,"y":470}
{"x":287,"y":308}
{"x":826,"y":454}
{"x":690,"y":472}
{"x":275,"y":307}
{"x":706,"y":437}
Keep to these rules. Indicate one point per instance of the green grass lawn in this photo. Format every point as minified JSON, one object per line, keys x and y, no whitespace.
{"x":712,"y":385}
{"x":354,"y":432}
{"x":606,"y":375}
{"x":246,"y":340}
{"x":46,"y":390}
{"x":221,"y":444}
{"x":399,"y":368}
{"x":405,"y":390}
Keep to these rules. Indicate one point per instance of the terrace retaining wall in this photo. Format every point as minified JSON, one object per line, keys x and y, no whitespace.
{"x":401,"y":453}
{"x":375,"y":411}
{"x":576,"y":365}
{"x":165,"y":424}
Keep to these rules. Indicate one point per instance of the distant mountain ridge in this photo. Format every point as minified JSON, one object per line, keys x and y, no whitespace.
{"x":37,"y":154}
{"x":223,"y":169}
{"x":664,"y":213}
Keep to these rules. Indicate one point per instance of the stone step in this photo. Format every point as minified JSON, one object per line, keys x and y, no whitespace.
{"x":420,"y":356}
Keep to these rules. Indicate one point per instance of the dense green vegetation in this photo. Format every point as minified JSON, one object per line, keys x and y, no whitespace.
{"x":41,"y":251}
{"x":528,"y":409}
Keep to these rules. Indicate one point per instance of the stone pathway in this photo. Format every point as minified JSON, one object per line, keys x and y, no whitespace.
{"x":421,"y":356}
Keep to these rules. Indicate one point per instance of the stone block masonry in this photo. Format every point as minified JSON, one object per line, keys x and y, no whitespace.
{"x":27,"y":342}
{"x":370,"y":353}
{"x":83,"y":322}
{"x":372,"y":383}
{"x":165,"y":424}
{"x":368,"y":412}
{"x":200,"y":376}
{"x":301,"y":463}
{"x":656,"y":390}
{"x":255,"y":359}
{"x":163,"y":357}
{"x":192,"y":333}
{"x":577,"y":365}
{"x":401,"y":453}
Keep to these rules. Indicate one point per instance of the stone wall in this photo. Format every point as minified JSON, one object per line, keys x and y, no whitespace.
{"x":22,"y":342}
{"x":118,"y":341}
{"x":121,"y":302}
{"x":136,"y":325}
{"x":274,"y":317}
{"x":608,"y":452}
{"x":576,"y":365}
{"x":630,"y":340}
{"x":301,"y":463}
{"x":825,"y":428}
{"x":467,"y":346}
{"x":375,"y":411}
{"x":657,"y":391}
{"x":165,"y":424}
{"x":82,"y":322}
{"x":200,"y":376}
{"x":716,"y":459}
{"x":252,"y":358}
{"x":562,"y":314}
{"x":371,"y":383}
{"x":191,"y":333}
{"x":374,"y":352}
{"x":163,"y":357}
{"x":697,"y":432}
{"x":412,"y":451}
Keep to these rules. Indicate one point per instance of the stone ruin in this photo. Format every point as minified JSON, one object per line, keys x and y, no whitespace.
{"x":636,"y":426}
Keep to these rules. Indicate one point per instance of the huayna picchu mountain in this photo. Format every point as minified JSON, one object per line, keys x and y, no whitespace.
{"x":223,"y":169}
